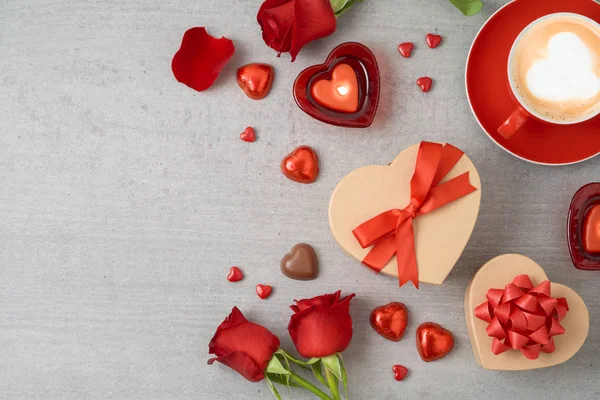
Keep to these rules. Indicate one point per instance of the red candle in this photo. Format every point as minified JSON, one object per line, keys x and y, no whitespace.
{"x":591,"y":230}
{"x":340,"y":93}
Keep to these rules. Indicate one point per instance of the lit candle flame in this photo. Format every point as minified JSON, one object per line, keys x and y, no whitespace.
{"x":342,"y":90}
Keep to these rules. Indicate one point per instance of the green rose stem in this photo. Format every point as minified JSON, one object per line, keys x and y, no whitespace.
{"x":309,"y":386}
{"x":333,"y":384}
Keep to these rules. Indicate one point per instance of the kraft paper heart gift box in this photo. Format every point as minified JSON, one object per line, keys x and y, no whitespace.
{"x":518,"y":320}
{"x":424,"y":204}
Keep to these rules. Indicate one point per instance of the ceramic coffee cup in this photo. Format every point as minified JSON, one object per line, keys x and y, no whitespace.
{"x":567,"y":63}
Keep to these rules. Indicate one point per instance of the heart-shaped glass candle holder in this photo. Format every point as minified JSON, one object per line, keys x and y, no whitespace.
{"x":328,"y":92}
{"x":583,"y":227}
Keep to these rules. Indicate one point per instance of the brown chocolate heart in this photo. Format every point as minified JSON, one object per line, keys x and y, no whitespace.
{"x":300,"y":263}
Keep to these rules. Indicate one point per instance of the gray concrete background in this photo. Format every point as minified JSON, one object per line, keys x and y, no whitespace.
{"x":125,"y":197}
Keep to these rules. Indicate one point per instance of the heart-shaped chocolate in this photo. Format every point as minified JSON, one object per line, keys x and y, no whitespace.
{"x":255,"y":80}
{"x":440,"y":236}
{"x":390,"y":321}
{"x":433,"y":341}
{"x":499,"y":272}
{"x":301,"y":165}
{"x":346,"y":57}
{"x":300,"y":263}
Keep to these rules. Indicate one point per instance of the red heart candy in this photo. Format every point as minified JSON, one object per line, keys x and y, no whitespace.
{"x":405,"y":49}
{"x":235,"y":274}
{"x":362,"y":61}
{"x":390,"y":320}
{"x":433,"y":341}
{"x":433,"y":41}
{"x":249,"y":135}
{"x":255,"y":80}
{"x":425,"y":83}
{"x":263,"y":291}
{"x":400,"y":372}
{"x":301,"y":165}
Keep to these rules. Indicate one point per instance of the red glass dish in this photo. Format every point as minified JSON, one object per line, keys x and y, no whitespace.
{"x":364,"y":64}
{"x":584,"y":200}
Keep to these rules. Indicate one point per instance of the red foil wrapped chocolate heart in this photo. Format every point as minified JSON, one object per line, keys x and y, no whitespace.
{"x":433,"y":341}
{"x":255,"y":80}
{"x":390,"y":321}
{"x":301,"y":165}
{"x":344,"y":90}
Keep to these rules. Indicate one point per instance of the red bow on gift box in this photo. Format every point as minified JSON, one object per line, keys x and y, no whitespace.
{"x":392,"y":232}
{"x":523,"y":317}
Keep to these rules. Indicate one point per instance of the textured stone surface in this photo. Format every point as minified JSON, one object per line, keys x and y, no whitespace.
{"x":125,"y":197}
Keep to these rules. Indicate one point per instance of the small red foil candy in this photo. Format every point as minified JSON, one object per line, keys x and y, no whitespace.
{"x":301,"y":165}
{"x":249,"y":135}
{"x":235,"y":274}
{"x":432,"y":40}
{"x":201,"y":58}
{"x":263,"y":291}
{"x":400,"y":372}
{"x":425,"y":83}
{"x":522,"y":317}
{"x":405,"y":49}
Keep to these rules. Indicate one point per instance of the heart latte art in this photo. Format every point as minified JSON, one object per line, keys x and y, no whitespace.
{"x":555,"y":68}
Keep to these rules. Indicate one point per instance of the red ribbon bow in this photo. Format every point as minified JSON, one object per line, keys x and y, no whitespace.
{"x":392,"y":232}
{"x":525,"y":317}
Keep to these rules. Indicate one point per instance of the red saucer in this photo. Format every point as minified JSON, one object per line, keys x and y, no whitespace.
{"x":489,"y":94}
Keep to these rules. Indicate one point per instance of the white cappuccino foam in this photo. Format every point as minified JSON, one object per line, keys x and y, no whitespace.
{"x":567,"y":74}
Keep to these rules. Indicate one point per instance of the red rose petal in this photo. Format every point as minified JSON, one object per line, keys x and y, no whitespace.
{"x":201,"y":58}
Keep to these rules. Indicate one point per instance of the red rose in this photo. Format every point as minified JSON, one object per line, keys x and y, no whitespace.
{"x":288,"y":25}
{"x":321,"y":326}
{"x":243,"y":346}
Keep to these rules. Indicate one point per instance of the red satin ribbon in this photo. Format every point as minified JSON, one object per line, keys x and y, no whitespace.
{"x":523,"y":317}
{"x":392,"y":232}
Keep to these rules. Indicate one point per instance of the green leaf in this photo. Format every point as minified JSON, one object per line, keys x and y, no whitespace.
{"x":318,"y":373}
{"x":344,"y":376}
{"x":273,"y":390}
{"x":281,"y":379}
{"x":294,"y":360}
{"x":468,"y":7}
{"x":276,"y":367}
{"x":345,"y":8}
{"x":332,"y":363}
{"x":337,"y":5}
